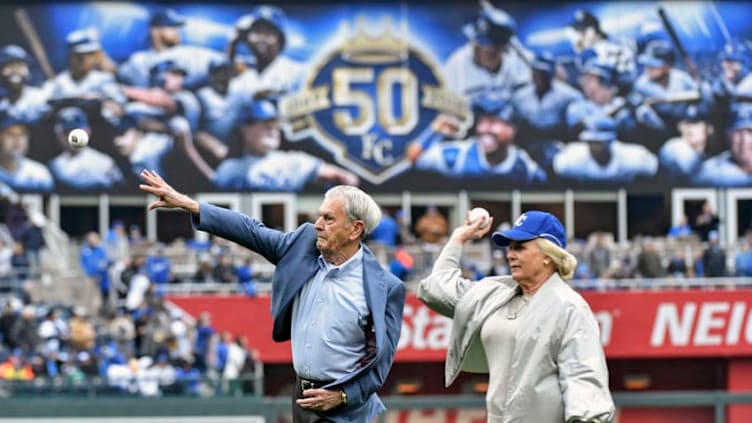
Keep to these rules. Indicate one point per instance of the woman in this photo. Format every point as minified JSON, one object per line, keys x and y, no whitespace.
{"x":535,"y":336}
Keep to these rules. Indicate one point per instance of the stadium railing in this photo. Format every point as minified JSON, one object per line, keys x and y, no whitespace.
{"x":270,"y":409}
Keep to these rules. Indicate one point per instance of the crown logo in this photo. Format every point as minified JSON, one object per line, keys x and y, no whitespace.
{"x":362,"y":47}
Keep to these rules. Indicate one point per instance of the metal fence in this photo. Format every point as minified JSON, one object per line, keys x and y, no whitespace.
{"x":272,"y":409}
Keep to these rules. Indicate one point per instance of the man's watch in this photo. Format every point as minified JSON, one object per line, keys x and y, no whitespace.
{"x":344,"y":396}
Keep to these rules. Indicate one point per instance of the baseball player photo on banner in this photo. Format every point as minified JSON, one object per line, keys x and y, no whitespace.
{"x":389,"y":96}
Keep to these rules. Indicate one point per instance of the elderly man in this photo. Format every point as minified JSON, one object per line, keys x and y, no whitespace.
{"x":330,"y":297}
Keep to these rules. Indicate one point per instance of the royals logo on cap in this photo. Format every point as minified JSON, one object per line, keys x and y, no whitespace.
{"x":531,"y":225}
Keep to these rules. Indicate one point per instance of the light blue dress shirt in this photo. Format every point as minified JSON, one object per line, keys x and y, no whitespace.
{"x":328,"y":320}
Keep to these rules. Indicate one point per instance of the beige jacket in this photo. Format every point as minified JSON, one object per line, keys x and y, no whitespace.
{"x":558,"y":372}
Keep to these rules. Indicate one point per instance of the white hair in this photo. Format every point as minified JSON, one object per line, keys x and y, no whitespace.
{"x":358,"y":206}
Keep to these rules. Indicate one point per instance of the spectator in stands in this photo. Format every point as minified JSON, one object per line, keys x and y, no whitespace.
{"x":251,"y":369}
{"x":714,"y":257}
{"x":681,"y":229}
{"x":123,"y":332}
{"x":237,"y":355}
{"x":95,"y":263}
{"x":504,"y":318}
{"x":16,"y":367}
{"x":387,"y":232}
{"x":205,"y":271}
{"x":432,"y":226}
{"x":599,"y":258}
{"x":500,"y":266}
{"x":158,"y":268}
{"x":677,"y":265}
{"x":406,"y":235}
{"x":117,"y":240}
{"x":155,"y":377}
{"x":54,"y":334}
{"x":402,"y":263}
{"x":224,"y":270}
{"x":15,"y":218}
{"x":20,"y":264}
{"x":135,"y":236}
{"x":649,"y":263}
{"x":24,"y":334}
{"x":203,"y":334}
{"x":221,"y":350}
{"x":7,"y":320}
{"x":187,"y":377}
{"x":244,"y":275}
{"x":180,"y":340}
{"x":32,"y":237}
{"x":743,"y":259}
{"x":706,"y":222}
{"x":82,"y":333}
{"x":138,"y":283}
{"x":6,"y":267}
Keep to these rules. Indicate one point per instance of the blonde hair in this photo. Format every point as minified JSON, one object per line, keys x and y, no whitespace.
{"x":564,"y":262}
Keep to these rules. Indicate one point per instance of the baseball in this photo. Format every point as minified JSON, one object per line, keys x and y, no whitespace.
{"x":478,"y":213}
{"x":78,"y":138}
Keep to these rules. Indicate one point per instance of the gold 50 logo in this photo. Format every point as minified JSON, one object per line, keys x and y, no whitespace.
{"x":368,"y":100}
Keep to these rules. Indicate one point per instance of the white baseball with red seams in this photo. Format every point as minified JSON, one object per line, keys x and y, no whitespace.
{"x":78,"y":138}
{"x":479,"y":213}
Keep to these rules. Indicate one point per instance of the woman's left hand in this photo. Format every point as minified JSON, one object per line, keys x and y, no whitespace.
{"x":472,"y":230}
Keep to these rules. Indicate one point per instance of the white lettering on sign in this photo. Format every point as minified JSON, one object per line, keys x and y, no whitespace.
{"x":606,"y":323}
{"x":423,"y":330}
{"x":707,"y":324}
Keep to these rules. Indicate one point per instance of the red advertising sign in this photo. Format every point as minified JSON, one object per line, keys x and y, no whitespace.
{"x":633,"y":324}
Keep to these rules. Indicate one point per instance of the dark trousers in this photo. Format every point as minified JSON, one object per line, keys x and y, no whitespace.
{"x":303,"y":415}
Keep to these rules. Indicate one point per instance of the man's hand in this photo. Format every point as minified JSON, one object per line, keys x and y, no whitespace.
{"x":168,"y":197}
{"x":320,"y":399}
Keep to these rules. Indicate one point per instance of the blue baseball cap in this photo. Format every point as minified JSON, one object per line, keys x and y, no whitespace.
{"x":545,"y":62}
{"x":83,"y":41}
{"x":601,"y":69}
{"x":70,"y":118}
{"x":272,"y":16}
{"x":7,"y":120}
{"x":601,"y":129}
{"x":531,"y":225}
{"x":258,"y":111}
{"x":221,"y":63}
{"x":658,"y":53}
{"x":696,"y":113}
{"x":736,"y":51}
{"x":584,"y":19}
{"x":494,"y":104}
{"x":491,"y":27}
{"x":167,"y":17}
{"x":12,"y":53}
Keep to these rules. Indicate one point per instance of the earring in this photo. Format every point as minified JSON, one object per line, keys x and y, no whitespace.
{"x":546,"y":263}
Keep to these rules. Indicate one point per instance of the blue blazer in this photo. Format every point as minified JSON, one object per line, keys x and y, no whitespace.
{"x":296,"y":259}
